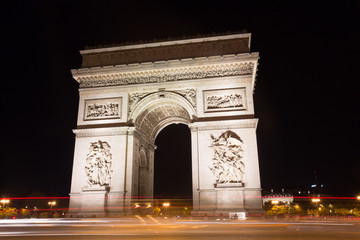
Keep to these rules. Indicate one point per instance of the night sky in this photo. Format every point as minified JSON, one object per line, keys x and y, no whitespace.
{"x":306,"y":95}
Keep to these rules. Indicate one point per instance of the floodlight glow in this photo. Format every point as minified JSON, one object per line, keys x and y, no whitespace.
{"x":4,"y":201}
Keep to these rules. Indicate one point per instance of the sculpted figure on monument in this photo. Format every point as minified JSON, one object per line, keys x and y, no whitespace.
{"x":227,"y":165}
{"x":190,"y":94}
{"x":225,"y":101}
{"x":98,"y":164}
{"x":102,"y":110}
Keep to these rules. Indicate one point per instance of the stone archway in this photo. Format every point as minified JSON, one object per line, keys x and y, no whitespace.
{"x":172,"y":164}
{"x":152,"y":113}
{"x":159,"y":109}
{"x":129,"y":93}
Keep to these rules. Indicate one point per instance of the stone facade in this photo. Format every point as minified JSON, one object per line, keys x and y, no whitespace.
{"x":129,"y":94}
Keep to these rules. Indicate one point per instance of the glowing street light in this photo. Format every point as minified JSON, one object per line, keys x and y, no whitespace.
{"x":53,"y":203}
{"x":4,"y":201}
{"x":316,"y":201}
{"x":358,"y":197}
{"x":166,"y":205}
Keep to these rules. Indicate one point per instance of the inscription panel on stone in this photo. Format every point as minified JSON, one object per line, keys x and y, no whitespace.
{"x":107,"y":108}
{"x":224,"y":100}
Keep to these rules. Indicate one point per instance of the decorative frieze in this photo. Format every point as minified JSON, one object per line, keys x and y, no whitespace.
{"x":102,"y":108}
{"x":224,"y":100}
{"x":166,"y":75}
{"x":98,"y":132}
{"x":221,"y":125}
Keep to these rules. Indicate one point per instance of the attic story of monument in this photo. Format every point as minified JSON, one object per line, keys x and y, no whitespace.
{"x":128,"y":94}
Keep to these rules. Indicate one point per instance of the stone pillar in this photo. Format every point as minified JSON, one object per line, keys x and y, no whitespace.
{"x":151,"y":152}
{"x":225,"y":167}
{"x":97,"y":198}
{"x":129,"y":180}
{"x":195,"y":168}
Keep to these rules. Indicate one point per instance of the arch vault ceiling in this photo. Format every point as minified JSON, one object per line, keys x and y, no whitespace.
{"x":150,"y":121}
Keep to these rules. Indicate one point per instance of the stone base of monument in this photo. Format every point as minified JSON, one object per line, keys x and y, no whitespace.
{"x":228,"y":198}
{"x":98,"y":202}
{"x":94,"y":202}
{"x":91,"y":202}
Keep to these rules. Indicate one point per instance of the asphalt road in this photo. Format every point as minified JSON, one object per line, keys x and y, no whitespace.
{"x":176,"y":229}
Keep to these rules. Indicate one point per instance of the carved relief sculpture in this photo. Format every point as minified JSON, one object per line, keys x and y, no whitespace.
{"x":98,"y":164}
{"x":135,"y":98}
{"x":224,"y":100}
{"x":189,"y":94}
{"x":102,"y":108}
{"x":227,"y":165}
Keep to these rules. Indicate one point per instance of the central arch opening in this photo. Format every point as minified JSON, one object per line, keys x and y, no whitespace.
{"x":172,"y":165}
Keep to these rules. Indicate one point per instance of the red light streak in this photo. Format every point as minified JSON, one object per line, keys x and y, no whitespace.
{"x":306,"y":197}
{"x":30,"y":198}
{"x":147,"y":197}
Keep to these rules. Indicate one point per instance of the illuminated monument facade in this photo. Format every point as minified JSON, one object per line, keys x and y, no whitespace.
{"x":128,"y":94}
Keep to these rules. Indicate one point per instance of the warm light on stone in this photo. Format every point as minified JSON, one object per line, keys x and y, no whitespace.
{"x":205,"y":83}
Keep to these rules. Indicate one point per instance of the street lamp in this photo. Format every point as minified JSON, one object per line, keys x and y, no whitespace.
{"x":4,"y":201}
{"x":53,"y":203}
{"x":166,"y":205}
{"x":316,"y":201}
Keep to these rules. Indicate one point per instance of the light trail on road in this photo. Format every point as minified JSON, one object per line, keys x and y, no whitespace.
{"x":176,"y":229}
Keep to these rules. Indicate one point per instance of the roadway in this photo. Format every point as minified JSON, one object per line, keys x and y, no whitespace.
{"x":147,"y":227}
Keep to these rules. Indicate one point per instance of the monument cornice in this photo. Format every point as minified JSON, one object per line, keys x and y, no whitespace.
{"x":221,"y":125}
{"x":176,"y":63}
{"x":168,"y":43}
{"x":96,"y":132}
{"x":185,"y":69}
{"x":167,"y":50}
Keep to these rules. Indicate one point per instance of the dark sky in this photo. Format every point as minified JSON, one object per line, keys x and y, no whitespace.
{"x":306,"y":95}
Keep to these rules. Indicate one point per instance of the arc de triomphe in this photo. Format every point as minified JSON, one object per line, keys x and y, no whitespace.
{"x":128,"y":94}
